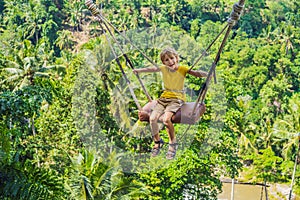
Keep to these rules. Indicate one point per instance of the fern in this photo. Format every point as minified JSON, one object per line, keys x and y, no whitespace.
{"x":29,"y":182}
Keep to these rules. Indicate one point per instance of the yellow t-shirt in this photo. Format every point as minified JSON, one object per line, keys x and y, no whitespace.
{"x":173,"y":82}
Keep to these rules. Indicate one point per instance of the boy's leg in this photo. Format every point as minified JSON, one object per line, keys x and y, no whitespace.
{"x":171,"y":109}
{"x":154,"y":116}
{"x":171,"y":132}
{"x":158,"y":142}
{"x":154,"y":127}
{"x":170,"y":127}
{"x":172,"y":138}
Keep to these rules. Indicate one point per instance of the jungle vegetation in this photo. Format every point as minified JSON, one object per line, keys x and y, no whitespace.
{"x":69,"y":127}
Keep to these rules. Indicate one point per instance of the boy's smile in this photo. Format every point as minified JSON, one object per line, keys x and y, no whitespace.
{"x":171,"y":62}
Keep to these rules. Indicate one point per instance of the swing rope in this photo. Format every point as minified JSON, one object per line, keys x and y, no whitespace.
{"x":95,"y":11}
{"x":234,"y":17}
{"x":128,"y":61}
{"x":121,"y":68}
{"x":204,"y":53}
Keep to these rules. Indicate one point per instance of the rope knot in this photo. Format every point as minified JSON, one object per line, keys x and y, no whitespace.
{"x":235,"y":14}
{"x":92,"y":7}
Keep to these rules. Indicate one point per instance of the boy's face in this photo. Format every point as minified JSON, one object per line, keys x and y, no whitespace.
{"x":170,"y":61}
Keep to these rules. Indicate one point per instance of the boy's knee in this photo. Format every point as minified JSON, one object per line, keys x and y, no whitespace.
{"x":167,"y":121}
{"x":153,"y":119}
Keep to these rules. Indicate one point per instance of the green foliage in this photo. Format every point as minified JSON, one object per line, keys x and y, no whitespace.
{"x":274,"y":93}
{"x":33,"y":19}
{"x":42,"y":75}
{"x":1,"y":6}
{"x":193,"y":174}
{"x":287,"y":128}
{"x":22,"y":104}
{"x":189,"y":175}
{"x":267,"y":164}
{"x":74,"y":9}
{"x":93,"y":178}
{"x":28,"y":62}
{"x":208,"y":10}
{"x":5,"y":145}
{"x":28,"y":182}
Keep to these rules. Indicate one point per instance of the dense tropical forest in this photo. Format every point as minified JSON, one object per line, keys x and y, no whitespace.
{"x":69,"y":127}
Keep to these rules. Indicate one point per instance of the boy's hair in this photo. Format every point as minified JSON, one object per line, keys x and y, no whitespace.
{"x":168,"y":51}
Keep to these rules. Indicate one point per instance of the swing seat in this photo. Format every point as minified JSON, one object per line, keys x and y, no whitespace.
{"x":183,"y":115}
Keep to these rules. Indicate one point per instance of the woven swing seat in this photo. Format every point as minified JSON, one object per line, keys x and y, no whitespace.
{"x":183,"y":115}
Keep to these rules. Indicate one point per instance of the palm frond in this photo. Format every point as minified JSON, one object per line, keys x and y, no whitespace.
{"x":11,"y":78}
{"x":28,"y":63}
{"x":49,"y":67}
{"x":13,"y":70}
{"x":24,"y":82}
{"x":30,"y":183}
{"x":41,"y":74}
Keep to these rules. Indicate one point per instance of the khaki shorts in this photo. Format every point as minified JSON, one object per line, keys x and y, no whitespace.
{"x":167,"y":105}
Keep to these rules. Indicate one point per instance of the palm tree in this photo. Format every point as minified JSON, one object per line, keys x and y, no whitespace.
{"x":245,"y":128}
{"x":94,"y":178}
{"x":27,"y":64}
{"x":288,"y":130}
{"x":64,"y":39}
{"x":266,"y":136}
{"x":284,"y":35}
{"x":33,"y":21}
{"x":76,"y":15}
{"x":29,"y":19}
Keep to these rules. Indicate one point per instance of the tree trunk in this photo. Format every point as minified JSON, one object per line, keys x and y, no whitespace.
{"x":32,"y":126}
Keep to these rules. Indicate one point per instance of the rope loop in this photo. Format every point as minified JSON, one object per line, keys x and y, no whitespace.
{"x":92,"y":7}
{"x":235,"y":14}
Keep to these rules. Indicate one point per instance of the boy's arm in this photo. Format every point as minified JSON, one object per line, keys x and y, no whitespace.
{"x":198,"y":73}
{"x":146,"y":69}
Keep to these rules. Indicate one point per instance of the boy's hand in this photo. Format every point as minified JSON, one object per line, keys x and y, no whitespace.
{"x":143,"y":116}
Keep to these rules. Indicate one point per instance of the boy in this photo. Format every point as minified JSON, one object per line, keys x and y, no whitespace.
{"x":171,"y":99}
